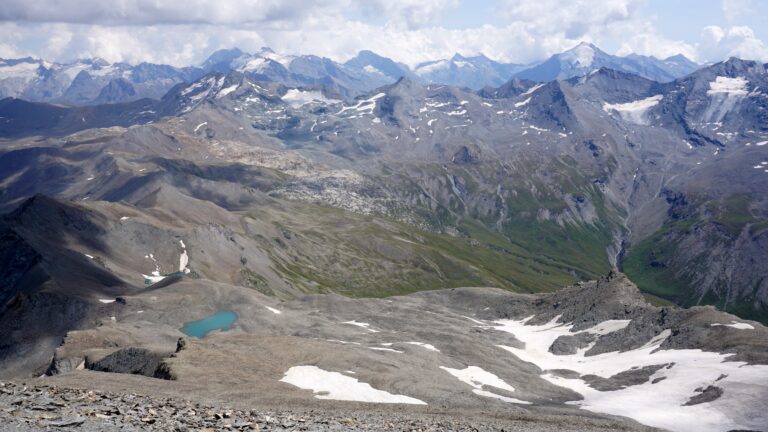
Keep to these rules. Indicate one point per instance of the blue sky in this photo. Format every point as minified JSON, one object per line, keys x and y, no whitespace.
{"x":182,"y":32}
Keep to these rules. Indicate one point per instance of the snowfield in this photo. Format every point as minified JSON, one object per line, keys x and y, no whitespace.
{"x":337,"y":386}
{"x":732,"y":86}
{"x":634,"y":112}
{"x":725,"y":93}
{"x":365,"y":106}
{"x":297,"y":98}
{"x":659,"y":402}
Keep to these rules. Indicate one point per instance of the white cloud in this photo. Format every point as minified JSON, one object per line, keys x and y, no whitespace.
{"x":271,"y":13}
{"x":574,"y":19}
{"x":409,"y":14}
{"x":184,"y":32}
{"x":739,"y":41}
{"x":734,"y":9}
{"x":652,"y":44}
{"x":132,"y":12}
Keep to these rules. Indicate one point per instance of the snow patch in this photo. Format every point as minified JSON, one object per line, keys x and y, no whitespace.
{"x":273,"y":310}
{"x":183,"y":258}
{"x":372,"y":70}
{"x":736,"y":325}
{"x":363,"y":106}
{"x":532,"y":89}
{"x":197,"y":128}
{"x":725,"y":93}
{"x":361,"y":325}
{"x":479,"y":378}
{"x":732,"y":86}
{"x":385,"y":349}
{"x":297,"y":98}
{"x":226,"y":91}
{"x":337,"y":386}
{"x":634,"y":112}
{"x":424,"y":345}
{"x":523,"y":103}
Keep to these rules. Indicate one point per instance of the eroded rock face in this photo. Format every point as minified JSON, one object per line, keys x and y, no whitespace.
{"x":708,"y":394}
{"x":131,"y":360}
{"x":18,"y":257}
{"x":624,"y":379}
{"x":612,"y":297}
{"x":571,"y":344}
{"x":465,"y":155}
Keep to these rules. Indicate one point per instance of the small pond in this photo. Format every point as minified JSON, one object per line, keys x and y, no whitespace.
{"x":219,"y":321}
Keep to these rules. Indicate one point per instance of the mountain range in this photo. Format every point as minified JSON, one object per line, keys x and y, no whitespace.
{"x":625,"y":167}
{"x":308,"y":229}
{"x":97,"y":82}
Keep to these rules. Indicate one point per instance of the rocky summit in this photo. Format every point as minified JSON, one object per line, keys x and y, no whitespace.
{"x":279,"y":242}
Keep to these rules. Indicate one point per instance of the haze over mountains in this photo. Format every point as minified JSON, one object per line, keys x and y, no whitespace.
{"x":94,"y":81}
{"x":309,"y":204}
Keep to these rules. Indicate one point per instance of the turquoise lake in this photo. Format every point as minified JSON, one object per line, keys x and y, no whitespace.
{"x":220,"y":321}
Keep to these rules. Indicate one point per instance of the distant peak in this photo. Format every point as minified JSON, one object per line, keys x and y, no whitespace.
{"x":21,"y":60}
{"x":228,"y":51}
{"x":225,"y":55}
{"x":582,"y":54}
{"x":677,"y":57}
{"x":680,"y":58}
{"x":367,"y":56}
{"x":583,"y":44}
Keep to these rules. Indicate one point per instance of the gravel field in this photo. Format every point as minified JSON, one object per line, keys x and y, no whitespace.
{"x":33,"y":407}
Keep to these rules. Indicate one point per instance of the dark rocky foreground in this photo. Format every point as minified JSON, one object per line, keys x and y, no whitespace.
{"x":37,"y":406}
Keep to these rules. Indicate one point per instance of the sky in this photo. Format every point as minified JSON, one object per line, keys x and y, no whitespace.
{"x":185,"y":32}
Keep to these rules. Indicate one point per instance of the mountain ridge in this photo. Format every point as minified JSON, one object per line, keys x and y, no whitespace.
{"x":590,"y":163}
{"x":96,"y":81}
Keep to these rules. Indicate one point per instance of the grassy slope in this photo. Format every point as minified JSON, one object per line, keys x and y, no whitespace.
{"x":332,"y":250}
{"x":645,"y":262}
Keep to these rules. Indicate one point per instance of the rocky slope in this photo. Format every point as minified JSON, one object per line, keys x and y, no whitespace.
{"x":555,"y":182}
{"x":594,"y":350}
{"x":88,"y":81}
{"x":32,"y":407}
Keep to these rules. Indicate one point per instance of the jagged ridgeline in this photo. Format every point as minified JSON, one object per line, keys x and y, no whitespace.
{"x":528,"y":186}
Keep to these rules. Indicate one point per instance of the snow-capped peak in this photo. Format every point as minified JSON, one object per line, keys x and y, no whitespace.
{"x":582,"y":55}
